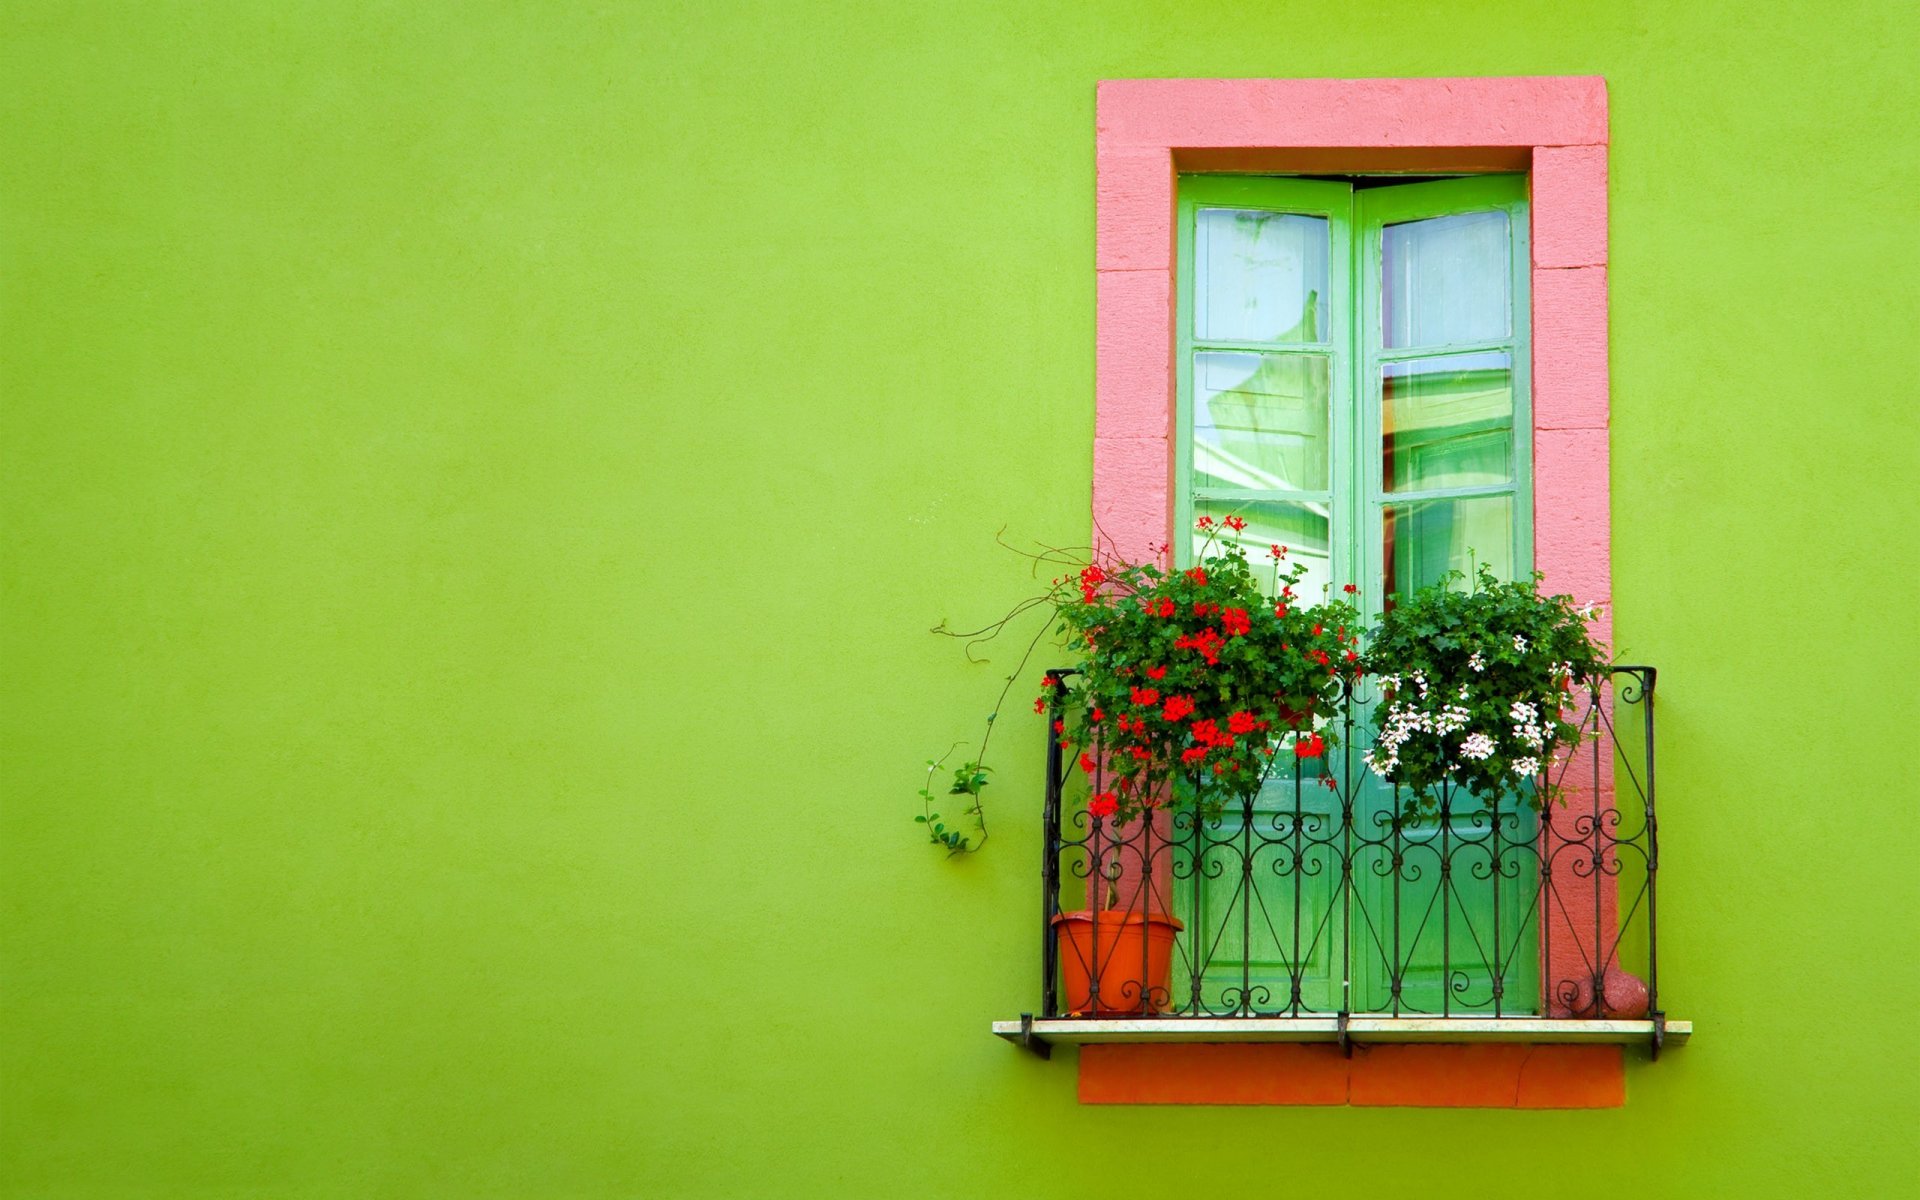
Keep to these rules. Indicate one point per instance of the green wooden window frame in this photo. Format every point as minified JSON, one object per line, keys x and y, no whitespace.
{"x":1356,"y":496}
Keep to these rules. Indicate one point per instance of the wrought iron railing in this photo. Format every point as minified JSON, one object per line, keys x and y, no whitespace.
{"x":1325,"y":895}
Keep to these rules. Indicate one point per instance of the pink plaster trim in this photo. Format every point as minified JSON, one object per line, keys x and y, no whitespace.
{"x":1539,"y":110}
{"x":1146,"y":126}
{"x":1570,"y":187}
{"x":1148,"y":129}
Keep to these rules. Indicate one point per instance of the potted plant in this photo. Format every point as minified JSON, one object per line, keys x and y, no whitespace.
{"x":1190,"y":683}
{"x":1475,"y":687}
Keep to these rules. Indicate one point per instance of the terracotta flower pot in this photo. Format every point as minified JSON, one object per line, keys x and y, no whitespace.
{"x":1623,"y":997}
{"x":1132,"y":968}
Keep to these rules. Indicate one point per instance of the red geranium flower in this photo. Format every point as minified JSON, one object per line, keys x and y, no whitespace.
{"x":1156,"y":673}
{"x":1176,"y":708}
{"x":1088,"y":764}
{"x":1235,"y":524}
{"x":1310,"y":746}
{"x":1278,"y":551}
{"x":1350,"y":589}
{"x":1103,"y":804}
{"x":1198,"y":575}
{"x":1235,"y":622}
{"x":1241,"y":722}
{"x":1146,"y":695}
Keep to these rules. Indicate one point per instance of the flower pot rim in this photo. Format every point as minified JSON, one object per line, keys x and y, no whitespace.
{"x":1118,"y":916}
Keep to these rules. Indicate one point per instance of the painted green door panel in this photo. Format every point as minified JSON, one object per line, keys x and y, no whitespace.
{"x":1353,"y":382}
{"x":1441,"y":272}
{"x":1443,"y":348}
{"x":1263,"y":903}
{"x":1265,"y":363}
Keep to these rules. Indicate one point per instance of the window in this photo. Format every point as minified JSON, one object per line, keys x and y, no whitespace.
{"x":1353,"y":366}
{"x":1438,"y":479}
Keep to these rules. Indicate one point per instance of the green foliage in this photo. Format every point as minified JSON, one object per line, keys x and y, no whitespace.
{"x":1191,"y":682}
{"x":1475,"y":687}
{"x":968,"y":780}
{"x":1194,"y":681}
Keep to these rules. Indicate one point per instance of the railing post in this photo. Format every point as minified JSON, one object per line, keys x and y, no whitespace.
{"x":1653,"y":867}
{"x":1050,"y":853}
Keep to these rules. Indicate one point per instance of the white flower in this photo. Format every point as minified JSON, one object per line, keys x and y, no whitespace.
{"x":1476,"y":662}
{"x":1519,"y":643}
{"x":1477,"y":746}
{"x":1526,"y":768}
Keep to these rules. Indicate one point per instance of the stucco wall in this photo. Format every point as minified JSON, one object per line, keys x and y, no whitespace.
{"x":473,"y":489}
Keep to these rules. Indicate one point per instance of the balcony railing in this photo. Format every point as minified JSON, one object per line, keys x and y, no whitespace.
{"x":1325,"y":907}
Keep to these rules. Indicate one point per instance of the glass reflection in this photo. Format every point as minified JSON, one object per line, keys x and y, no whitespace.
{"x":1300,"y":526}
{"x":1260,"y":421}
{"x":1447,"y":422}
{"x":1259,"y":276}
{"x":1425,"y":539}
{"x":1445,"y":280}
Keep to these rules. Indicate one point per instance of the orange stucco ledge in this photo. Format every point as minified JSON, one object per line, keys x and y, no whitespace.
{"x":1496,"y":1075}
{"x":1513,"y":1062}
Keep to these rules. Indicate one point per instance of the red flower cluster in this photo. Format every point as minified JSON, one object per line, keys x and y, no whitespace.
{"x":1235,"y":622}
{"x":1310,"y":746}
{"x":1206,"y":643}
{"x":1176,"y":708}
{"x":1278,"y":551}
{"x":1207,"y":733}
{"x":1198,"y":575}
{"x":1146,"y":695}
{"x":1090,"y":580}
{"x":1242,"y":722}
{"x":1235,"y":524}
{"x":1103,"y":804}
{"x":1163,"y":607}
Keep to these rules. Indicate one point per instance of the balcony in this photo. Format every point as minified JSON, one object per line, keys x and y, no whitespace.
{"x":1326,"y":907}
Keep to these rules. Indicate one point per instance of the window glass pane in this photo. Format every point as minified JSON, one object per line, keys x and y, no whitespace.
{"x":1445,"y":280}
{"x":1259,"y":276}
{"x":1427,"y":538}
{"x":1447,"y":422}
{"x":1300,"y":526}
{"x":1260,"y":421}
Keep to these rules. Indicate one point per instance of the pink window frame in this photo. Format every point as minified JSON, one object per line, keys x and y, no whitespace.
{"x":1552,"y":127}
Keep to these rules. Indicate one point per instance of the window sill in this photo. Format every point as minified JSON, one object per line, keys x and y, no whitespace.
{"x":1039,"y":1034}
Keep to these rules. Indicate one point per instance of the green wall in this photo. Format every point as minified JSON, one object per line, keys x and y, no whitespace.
{"x":476,"y":481}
